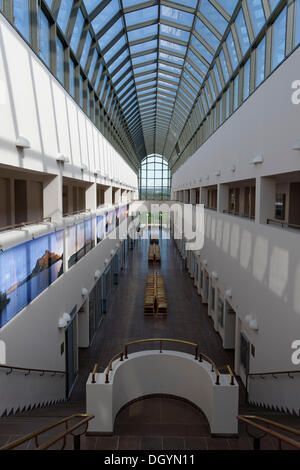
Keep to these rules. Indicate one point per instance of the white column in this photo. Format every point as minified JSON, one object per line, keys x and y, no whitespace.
{"x":265,"y":199}
{"x":223,"y":194}
{"x":52,"y":195}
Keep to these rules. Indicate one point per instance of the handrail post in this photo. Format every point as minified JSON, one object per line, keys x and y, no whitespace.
{"x":196,"y":352}
{"x":256,"y":443}
{"x":76,"y":441}
{"x":160,"y":346}
{"x":126,"y":350}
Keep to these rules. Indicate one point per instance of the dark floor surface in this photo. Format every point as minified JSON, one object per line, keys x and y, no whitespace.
{"x":155,"y":423}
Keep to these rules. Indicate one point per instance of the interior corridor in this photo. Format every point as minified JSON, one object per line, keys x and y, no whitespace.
{"x":157,"y":422}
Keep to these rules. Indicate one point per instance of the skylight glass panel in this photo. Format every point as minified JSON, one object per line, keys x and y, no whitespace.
{"x":278,"y":40}
{"x":107,"y":37}
{"x":148,"y":76}
{"x":118,"y":86}
{"x":145,"y":68}
{"x":232,"y":51}
{"x":192,"y":70}
{"x":168,"y":68}
{"x":90,"y":5}
{"x":115,"y":49}
{"x":146,"y":85}
{"x":201,"y":49}
{"x":187,"y":3}
{"x":118,"y":61}
{"x":175,"y":33}
{"x":189,"y":80}
{"x":143,"y":92}
{"x":228,"y":5}
{"x":105,"y":16}
{"x":224,"y":66}
{"x":168,"y":77}
{"x":49,"y":3}
{"x":197,"y":62}
{"x":142,"y":33}
{"x":176,"y":16}
{"x":126,"y":88}
{"x":260,"y":62}
{"x":86,"y":49}
{"x":257,"y":15}
{"x":116,"y":76}
{"x":213,"y":16}
{"x":144,"y":46}
{"x":93,"y":65}
{"x":242,"y":32}
{"x":140,"y":16}
{"x":144,"y":58}
{"x":170,"y":58}
{"x":103,"y":87}
{"x":168,"y":92}
{"x":172,"y":46}
{"x":64,"y":14}
{"x":168,"y":85}
{"x":98,"y":77}
{"x":189,"y":101}
{"x":217,"y":77}
{"x":21,"y":17}
{"x":77,"y":31}
{"x":212,"y":89}
{"x":273,"y":4}
{"x":206,"y":33}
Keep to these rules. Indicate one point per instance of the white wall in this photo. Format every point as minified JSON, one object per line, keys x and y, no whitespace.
{"x":34,"y":105}
{"x":175,"y":373}
{"x":258,"y":262}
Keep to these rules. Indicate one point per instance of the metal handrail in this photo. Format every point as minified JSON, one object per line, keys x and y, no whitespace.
{"x":273,"y":374}
{"x":23,"y":224}
{"x":35,"y":435}
{"x":213,"y":366}
{"x":161,"y":340}
{"x":109,"y":367}
{"x":30,"y":369}
{"x":249,"y":421}
{"x":198,"y":356}
{"x":228,"y":368}
{"x":282,"y":223}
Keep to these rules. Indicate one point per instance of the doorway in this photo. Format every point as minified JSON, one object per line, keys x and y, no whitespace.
{"x":71,"y":341}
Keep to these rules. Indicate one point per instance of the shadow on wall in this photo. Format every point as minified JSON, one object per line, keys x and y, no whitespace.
{"x":269,"y":256}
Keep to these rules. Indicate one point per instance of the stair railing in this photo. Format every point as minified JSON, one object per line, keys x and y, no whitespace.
{"x":264,"y":425}
{"x":262,"y":375}
{"x":83,"y":421}
{"x":28,"y":370}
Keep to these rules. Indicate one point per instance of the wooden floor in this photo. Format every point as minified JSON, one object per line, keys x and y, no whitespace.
{"x":157,"y":423}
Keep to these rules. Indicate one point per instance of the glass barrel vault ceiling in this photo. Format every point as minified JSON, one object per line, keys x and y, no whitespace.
{"x":158,"y":67}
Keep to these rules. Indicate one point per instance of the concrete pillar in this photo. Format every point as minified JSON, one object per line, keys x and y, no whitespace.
{"x":223,"y":195}
{"x":265,"y":199}
{"x":193,"y":196}
{"x":108,"y":196}
{"x":118,"y":196}
{"x":91,"y":197}
{"x":203,"y":196}
{"x":52,"y":195}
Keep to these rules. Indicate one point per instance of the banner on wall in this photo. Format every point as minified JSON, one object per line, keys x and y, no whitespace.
{"x":117,"y":216}
{"x":100,"y":227}
{"x":28,"y":269}
{"x":110,"y":222}
{"x":80,"y":240}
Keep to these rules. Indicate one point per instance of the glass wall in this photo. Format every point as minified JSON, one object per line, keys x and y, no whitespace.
{"x":155,"y":178}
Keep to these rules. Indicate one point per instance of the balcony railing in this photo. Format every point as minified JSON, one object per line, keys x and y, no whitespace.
{"x":197,"y":356}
